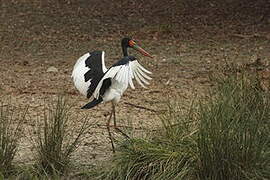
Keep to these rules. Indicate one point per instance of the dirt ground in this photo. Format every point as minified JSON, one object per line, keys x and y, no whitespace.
{"x":189,"y":42}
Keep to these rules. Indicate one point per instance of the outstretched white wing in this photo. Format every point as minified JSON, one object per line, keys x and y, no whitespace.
{"x":139,"y":73}
{"x":124,"y":74}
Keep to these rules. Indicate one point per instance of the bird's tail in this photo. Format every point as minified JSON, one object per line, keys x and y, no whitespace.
{"x":92,"y":103}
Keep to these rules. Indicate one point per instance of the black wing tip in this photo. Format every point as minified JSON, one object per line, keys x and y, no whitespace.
{"x":92,"y":103}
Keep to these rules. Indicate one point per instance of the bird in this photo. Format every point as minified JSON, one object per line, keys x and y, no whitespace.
{"x":93,"y":79}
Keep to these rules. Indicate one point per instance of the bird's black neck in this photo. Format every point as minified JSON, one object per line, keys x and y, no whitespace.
{"x":125,"y":52}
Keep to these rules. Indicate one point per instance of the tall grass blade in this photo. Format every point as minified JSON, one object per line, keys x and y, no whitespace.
{"x":11,"y":130}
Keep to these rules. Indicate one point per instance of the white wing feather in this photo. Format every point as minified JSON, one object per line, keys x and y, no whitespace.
{"x":138,"y":79}
{"x":103,"y":63}
{"x":126,"y":74}
{"x":142,"y":68}
{"x":141,"y":77}
{"x":138,"y":73}
{"x":130,"y":77}
{"x":143,"y":74}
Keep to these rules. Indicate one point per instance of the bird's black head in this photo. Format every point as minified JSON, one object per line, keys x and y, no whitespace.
{"x":129,"y":43}
{"x":125,"y":42}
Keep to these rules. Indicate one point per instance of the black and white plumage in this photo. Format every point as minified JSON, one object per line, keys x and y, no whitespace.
{"x":92,"y":78}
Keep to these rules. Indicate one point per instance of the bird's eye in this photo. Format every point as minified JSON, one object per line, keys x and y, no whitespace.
{"x":131,"y":43}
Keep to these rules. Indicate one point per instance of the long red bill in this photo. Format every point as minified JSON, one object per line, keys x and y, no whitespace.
{"x":142,"y":51}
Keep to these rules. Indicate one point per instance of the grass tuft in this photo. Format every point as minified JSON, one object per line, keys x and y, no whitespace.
{"x":58,"y":136}
{"x":234,"y":131}
{"x":10,"y":133}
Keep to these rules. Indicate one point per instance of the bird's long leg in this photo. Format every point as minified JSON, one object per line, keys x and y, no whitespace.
{"x":114,"y":122}
{"x":109,"y":132}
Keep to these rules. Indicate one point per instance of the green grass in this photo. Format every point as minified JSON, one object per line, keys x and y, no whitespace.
{"x":226,"y":137}
{"x":234,"y":132}
{"x":58,"y":136}
{"x":11,"y":130}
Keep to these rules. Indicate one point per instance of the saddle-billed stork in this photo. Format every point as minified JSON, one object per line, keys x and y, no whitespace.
{"x":92,"y":78}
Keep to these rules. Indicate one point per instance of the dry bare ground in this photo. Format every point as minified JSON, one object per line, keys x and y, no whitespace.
{"x":189,"y":42}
